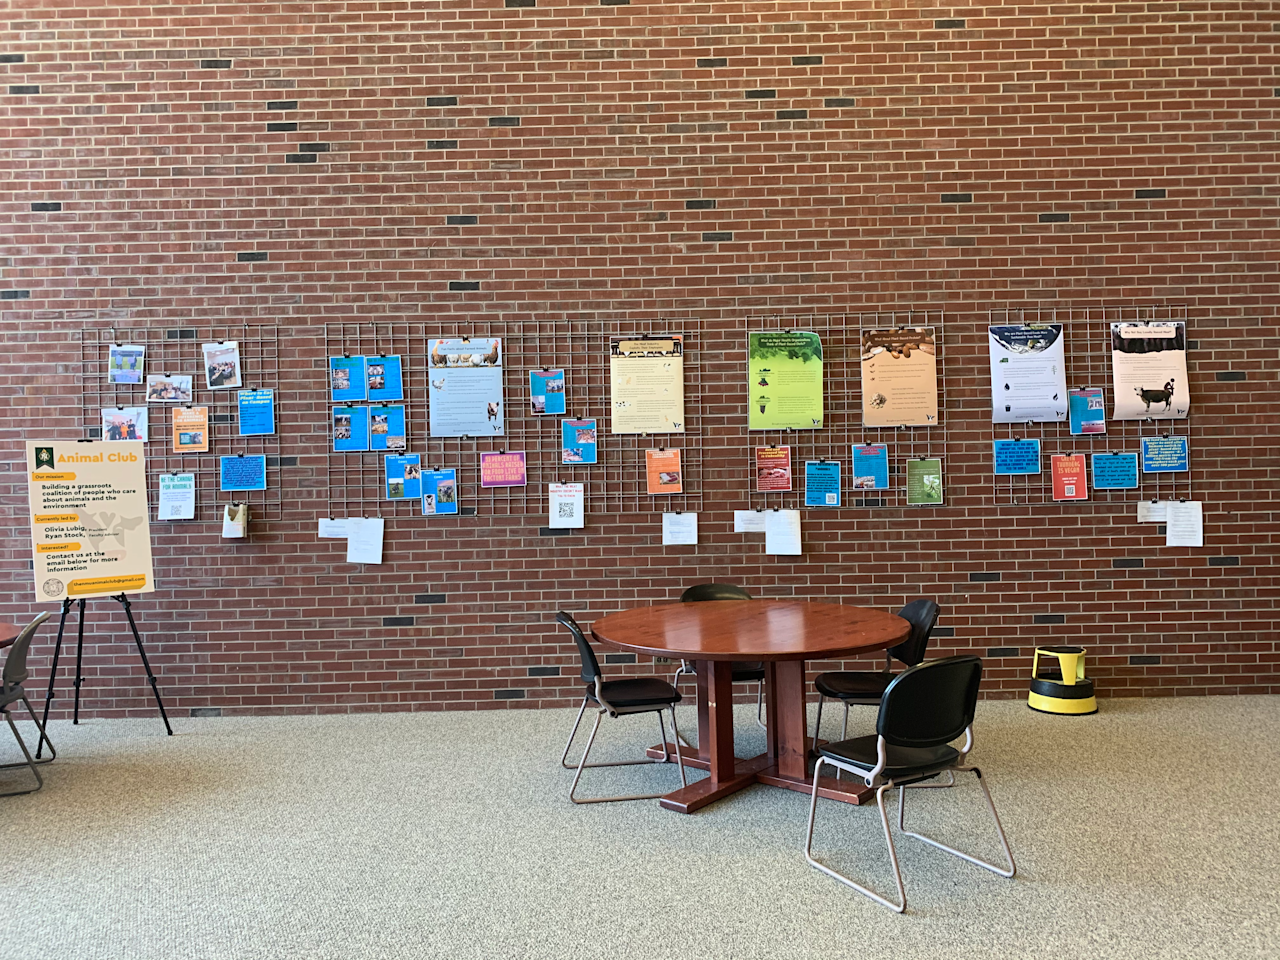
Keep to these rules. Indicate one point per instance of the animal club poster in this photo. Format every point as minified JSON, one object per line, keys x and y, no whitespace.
{"x":785,"y":380}
{"x":1149,"y":367}
{"x":646,"y":385}
{"x":465,"y":388}
{"x":90,"y":528}
{"x":1028,"y":373}
{"x":899,"y":378}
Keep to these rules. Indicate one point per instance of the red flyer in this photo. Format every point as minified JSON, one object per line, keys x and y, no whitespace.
{"x":1069,"y":480}
{"x":773,"y":469}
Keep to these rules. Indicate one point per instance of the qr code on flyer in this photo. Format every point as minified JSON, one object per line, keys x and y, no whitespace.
{"x":566,"y":511}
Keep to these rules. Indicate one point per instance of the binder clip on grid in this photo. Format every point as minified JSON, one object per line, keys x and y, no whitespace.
{"x":235,"y":521}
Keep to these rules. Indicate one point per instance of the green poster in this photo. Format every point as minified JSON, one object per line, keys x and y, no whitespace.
{"x":924,"y":481}
{"x":785,"y":389}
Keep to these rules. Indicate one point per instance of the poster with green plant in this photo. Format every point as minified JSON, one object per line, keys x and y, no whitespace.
{"x":924,"y":481}
{"x":785,"y":388}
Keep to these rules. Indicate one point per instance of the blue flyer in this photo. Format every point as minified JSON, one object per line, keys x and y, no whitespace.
{"x":871,"y":467}
{"x":386,"y":428}
{"x":346,"y":379}
{"x":257,"y":412}
{"x":822,"y":483}
{"x":350,"y":429}
{"x":385,"y":379}
{"x":242,"y":473}
{"x":1115,"y":471}
{"x":546,"y":391}
{"x":439,"y":492}
{"x":1086,"y":412}
{"x":1164,"y":454}
{"x":1016,"y":457}
{"x":578,"y":441}
{"x":404,"y":477}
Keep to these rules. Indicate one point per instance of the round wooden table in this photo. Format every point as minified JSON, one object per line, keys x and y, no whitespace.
{"x":782,"y":633}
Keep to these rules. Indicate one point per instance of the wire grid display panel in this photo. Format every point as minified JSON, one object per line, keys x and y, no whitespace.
{"x":1088,"y":359}
{"x":842,"y":428}
{"x":177,"y":350}
{"x":615,"y":483}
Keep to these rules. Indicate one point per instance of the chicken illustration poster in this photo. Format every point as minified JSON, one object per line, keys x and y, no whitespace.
{"x":1149,"y":368}
{"x":465,"y":379}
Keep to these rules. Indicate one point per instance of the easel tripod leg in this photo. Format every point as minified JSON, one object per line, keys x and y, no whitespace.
{"x":151,"y":677}
{"x":75,"y":716}
{"x":53,"y":670}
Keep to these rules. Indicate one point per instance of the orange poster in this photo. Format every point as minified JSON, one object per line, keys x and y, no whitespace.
{"x":190,"y":429}
{"x":662,"y":470}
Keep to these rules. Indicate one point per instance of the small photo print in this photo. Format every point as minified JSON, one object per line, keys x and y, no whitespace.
{"x":124,"y":423}
{"x":168,"y":389}
{"x":222,"y":364}
{"x":125,"y":362}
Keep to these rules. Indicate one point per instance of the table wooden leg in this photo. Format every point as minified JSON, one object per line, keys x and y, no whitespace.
{"x":704,"y":716}
{"x":771,"y":710}
{"x":719,"y":674}
{"x":789,"y":721}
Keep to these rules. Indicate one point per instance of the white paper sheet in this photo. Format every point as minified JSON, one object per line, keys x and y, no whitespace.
{"x":235,"y":521}
{"x":1152,"y":511}
{"x":679,"y":529}
{"x":566,"y":504}
{"x":364,"y":539}
{"x":748,"y":521}
{"x":782,"y":532}
{"x":177,"y":496}
{"x":332,"y":529}
{"x":1185,"y":524}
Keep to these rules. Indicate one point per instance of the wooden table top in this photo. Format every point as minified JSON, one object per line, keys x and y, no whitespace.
{"x":751,"y":630}
{"x":8,"y":633}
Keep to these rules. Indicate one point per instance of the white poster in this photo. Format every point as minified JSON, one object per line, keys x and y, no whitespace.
{"x":465,"y":388}
{"x":1149,"y":368}
{"x":782,"y":532}
{"x":90,"y":526}
{"x":566,"y":505}
{"x":177,"y":497}
{"x":646,"y":385}
{"x":1028,"y":372}
{"x":680,"y":529}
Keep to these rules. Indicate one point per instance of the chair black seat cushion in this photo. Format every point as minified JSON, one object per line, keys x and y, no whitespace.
{"x":854,"y":685}
{"x":744,"y":671}
{"x":899,"y":762}
{"x":636,"y":692}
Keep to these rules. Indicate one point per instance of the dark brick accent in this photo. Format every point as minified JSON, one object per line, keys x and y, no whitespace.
{"x":461,"y":219}
{"x":23,"y":88}
{"x":282,"y":104}
{"x":982,"y":577}
{"x":282,"y":127}
{"x":948,"y":24}
{"x":13,"y":58}
{"x":1055,"y":218}
{"x":793,"y":114}
{"x":559,"y":531}
{"x":428,"y":598}
{"x":397,"y":621}
{"x":717,"y":236}
{"x":95,"y":433}
{"x":206,"y":711}
{"x":504,"y":121}
{"x":277,"y":461}
{"x":48,"y":206}
{"x":314,"y":147}
{"x":998,"y":652}
{"x":839,"y":102}
{"x":806,"y":61}
{"x":546,"y":671}
{"x":512,"y":694}
{"x":957,"y":198}
{"x":215,"y":64}
{"x":699,"y":204}
{"x":442,"y":101}
{"x":1224,"y":561}
{"x":868,"y":502}
{"x":1144,"y":659}
{"x":180,"y":334}
{"x":220,"y":418}
{"x":1120,"y":563}
{"x":614,"y":3}
{"x":1229,"y":376}
{"x":1049,"y":618}
{"x":15,"y":294}
{"x":1149,"y":194}
{"x":619,"y":658}
{"x":464,"y":284}
{"x":300,"y":158}
{"x":251,"y":256}
{"x":943,"y":632}
{"x":713,"y":62}
{"x":442,"y":144}
{"x":764,"y":94}
{"x":521,"y":3}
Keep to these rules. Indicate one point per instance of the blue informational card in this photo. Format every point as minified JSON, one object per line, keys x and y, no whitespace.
{"x":439,"y":492}
{"x":1115,"y":471}
{"x":385,"y":378}
{"x":1164,"y":454}
{"x":257,"y":412}
{"x":386,"y":428}
{"x":1086,"y":412}
{"x":350,"y":429}
{"x":822,"y":483}
{"x":346,"y":379}
{"x":404,"y":477}
{"x":242,"y":473}
{"x":871,"y":467}
{"x":546,"y":392}
{"x":578,"y":441}
{"x":1016,"y":457}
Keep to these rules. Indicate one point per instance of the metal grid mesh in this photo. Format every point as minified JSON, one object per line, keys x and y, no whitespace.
{"x":1088,"y":352}
{"x":615,"y":484}
{"x":842,"y":429}
{"x":178,"y":351}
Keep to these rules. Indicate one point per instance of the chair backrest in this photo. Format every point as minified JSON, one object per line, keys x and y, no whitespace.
{"x":15,"y":663}
{"x":714,"y":591}
{"x":922,"y":615}
{"x":590,"y":665}
{"x":930,"y":704}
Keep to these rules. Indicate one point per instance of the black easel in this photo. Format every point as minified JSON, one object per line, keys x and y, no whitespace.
{"x":57,"y":649}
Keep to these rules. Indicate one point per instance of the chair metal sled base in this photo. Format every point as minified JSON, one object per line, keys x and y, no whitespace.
{"x":583,"y":765}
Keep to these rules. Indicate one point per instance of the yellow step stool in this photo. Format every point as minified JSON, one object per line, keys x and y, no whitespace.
{"x":1069,"y":693}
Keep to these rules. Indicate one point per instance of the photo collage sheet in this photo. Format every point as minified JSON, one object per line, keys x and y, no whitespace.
{"x":1149,"y":383}
{"x":179,"y":393}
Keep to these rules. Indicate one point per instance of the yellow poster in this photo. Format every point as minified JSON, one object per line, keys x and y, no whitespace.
{"x":646,"y":380}
{"x":899,"y":378}
{"x":90,"y":533}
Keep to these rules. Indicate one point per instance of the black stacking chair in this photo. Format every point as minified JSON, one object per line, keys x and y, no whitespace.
{"x":866,"y":687}
{"x":15,"y":671}
{"x":922,"y":711}
{"x":618,"y":698}
{"x":743,"y":671}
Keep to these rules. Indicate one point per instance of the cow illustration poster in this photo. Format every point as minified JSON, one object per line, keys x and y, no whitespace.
{"x":1149,"y":367}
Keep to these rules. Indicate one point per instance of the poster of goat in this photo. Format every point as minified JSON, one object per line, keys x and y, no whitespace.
{"x":1149,"y":368}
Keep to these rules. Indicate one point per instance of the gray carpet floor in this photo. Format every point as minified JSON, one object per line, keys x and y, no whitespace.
{"x":1151,"y":830}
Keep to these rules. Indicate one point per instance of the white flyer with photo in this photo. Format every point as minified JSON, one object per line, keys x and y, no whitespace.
{"x":1028,"y":372}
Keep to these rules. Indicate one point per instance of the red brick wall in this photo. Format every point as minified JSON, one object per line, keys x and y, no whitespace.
{"x":828,"y":191}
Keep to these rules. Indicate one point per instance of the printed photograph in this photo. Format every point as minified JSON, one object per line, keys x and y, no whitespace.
{"x":341,"y":426}
{"x":124,"y":363}
{"x":222,"y":364}
{"x":124,"y":423}
{"x":168,"y":389}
